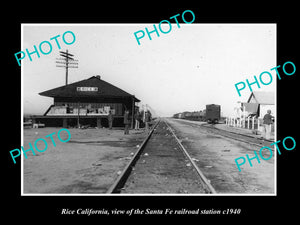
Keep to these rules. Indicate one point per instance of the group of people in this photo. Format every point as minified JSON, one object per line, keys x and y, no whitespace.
{"x":138,"y":118}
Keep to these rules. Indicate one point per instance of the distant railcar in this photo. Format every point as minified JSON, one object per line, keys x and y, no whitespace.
{"x":213,"y":113}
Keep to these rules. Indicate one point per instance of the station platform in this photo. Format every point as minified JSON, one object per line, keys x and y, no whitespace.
{"x":243,"y":131}
{"x":71,"y":120}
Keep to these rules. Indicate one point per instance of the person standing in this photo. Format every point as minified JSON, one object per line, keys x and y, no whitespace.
{"x":110,"y":118}
{"x":137,"y":120}
{"x":268,"y":121}
{"x":126,"y":121}
{"x":147,"y":120}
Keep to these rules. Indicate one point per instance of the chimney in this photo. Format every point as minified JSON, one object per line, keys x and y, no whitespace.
{"x":98,"y":76}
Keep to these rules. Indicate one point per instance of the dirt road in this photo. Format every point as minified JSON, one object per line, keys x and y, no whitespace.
{"x":88,"y":163}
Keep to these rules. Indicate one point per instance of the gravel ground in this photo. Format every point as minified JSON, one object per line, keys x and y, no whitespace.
{"x":215,"y":157}
{"x":91,"y":160}
{"x":88,"y":163}
{"x":163,"y":168}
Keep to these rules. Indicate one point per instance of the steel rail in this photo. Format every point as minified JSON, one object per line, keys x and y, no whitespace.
{"x":122,"y":178}
{"x":202,"y":176}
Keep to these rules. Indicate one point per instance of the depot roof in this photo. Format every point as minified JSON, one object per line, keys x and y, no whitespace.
{"x":91,"y":87}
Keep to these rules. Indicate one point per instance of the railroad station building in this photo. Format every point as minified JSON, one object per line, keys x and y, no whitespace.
{"x":87,"y":102}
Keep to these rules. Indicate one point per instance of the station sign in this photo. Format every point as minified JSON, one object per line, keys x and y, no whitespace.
{"x":87,"y":88}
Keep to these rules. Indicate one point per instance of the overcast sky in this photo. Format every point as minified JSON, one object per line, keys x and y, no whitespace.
{"x":191,"y":66}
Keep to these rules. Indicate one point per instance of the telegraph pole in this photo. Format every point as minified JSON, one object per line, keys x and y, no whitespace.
{"x":67,"y":62}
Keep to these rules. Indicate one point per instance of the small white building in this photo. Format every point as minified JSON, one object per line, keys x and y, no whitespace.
{"x":263,"y":101}
{"x":250,"y":114}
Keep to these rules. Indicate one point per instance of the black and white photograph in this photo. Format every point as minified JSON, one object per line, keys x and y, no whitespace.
{"x":149,"y":112}
{"x":174,"y":115}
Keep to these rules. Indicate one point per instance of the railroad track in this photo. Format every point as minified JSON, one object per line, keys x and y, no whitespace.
{"x":122,"y":178}
{"x":161,"y":165}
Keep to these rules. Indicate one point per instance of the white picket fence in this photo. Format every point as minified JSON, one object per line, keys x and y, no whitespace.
{"x":249,"y":123}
